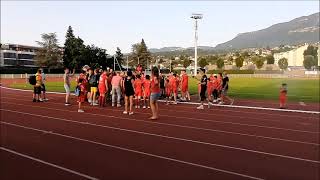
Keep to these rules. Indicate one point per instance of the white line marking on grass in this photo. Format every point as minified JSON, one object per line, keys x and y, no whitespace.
{"x":194,"y":103}
{"x":177,"y":125}
{"x":167,"y":137}
{"x":239,"y":124}
{"x":134,"y":151}
{"x":44,"y":162}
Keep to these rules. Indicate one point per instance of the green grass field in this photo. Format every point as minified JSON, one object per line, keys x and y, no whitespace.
{"x":248,"y":88}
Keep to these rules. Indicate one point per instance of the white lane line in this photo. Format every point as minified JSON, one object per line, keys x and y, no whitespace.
{"x":134,"y":151}
{"x":176,"y":125}
{"x":209,"y":114}
{"x":167,"y":137}
{"x":47,"y":163}
{"x":194,"y":103}
{"x":253,"y":107}
{"x":239,"y":124}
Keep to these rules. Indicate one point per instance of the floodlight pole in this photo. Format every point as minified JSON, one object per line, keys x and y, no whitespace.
{"x":196,"y":17}
{"x":127,"y":62}
{"x":114,"y":62}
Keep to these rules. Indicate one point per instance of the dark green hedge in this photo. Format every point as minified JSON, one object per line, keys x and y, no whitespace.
{"x":231,"y":71}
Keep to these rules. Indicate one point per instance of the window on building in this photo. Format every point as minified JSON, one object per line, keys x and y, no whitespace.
{"x":25,"y":56}
{"x":9,"y":62}
{"x":9,"y":55}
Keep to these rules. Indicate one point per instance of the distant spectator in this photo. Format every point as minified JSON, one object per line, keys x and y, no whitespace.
{"x":67,"y":84}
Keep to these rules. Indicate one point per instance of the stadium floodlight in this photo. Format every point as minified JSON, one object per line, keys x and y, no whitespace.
{"x":196,"y":17}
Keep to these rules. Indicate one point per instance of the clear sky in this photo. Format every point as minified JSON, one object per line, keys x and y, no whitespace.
{"x":111,"y":24}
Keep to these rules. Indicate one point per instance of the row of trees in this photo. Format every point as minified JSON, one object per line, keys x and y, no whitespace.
{"x":74,"y":54}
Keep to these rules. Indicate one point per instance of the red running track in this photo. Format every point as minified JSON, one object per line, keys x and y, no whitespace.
{"x":51,"y":141}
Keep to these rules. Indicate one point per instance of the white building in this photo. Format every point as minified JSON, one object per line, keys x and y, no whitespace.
{"x":295,"y":57}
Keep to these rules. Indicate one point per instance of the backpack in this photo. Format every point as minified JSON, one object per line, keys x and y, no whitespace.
{"x":32,"y":80}
{"x":93,"y":80}
{"x":77,"y":91}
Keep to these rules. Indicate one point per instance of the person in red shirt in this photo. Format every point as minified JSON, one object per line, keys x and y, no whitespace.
{"x":138,"y":90}
{"x":155,"y":93}
{"x":184,"y":86}
{"x":215,"y":88}
{"x":210,"y":87}
{"x":174,"y":87}
{"x":283,"y":95}
{"x":219,"y":86}
{"x":146,"y":91}
{"x":82,"y":95}
{"x":167,"y":90}
{"x":139,"y":69}
{"x":103,"y":88}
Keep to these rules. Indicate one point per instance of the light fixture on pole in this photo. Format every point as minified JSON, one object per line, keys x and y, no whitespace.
{"x":196,"y":17}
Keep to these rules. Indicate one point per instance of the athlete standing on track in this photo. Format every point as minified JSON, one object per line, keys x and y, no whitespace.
{"x":225,"y":88}
{"x":155,"y":93}
{"x":129,"y":92}
{"x":103,"y":88}
{"x":203,"y":83}
{"x":184,"y":86}
{"x":138,"y":90}
{"x":67,"y":85}
{"x":146,"y":90}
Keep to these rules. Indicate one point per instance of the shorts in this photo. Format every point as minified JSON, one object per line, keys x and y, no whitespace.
{"x":67,"y":88}
{"x":203,"y":93}
{"x":147,"y":93}
{"x":154,"y":96}
{"x":224,"y":92}
{"x":138,"y":93}
{"x":174,"y":90}
{"x":82,"y":97}
{"x":43,"y":88}
{"x":37,"y":90}
{"x":102,"y":89}
{"x":184,"y":88}
{"x":93,"y":89}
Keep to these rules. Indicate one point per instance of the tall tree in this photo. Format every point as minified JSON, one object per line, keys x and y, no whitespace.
{"x":140,"y":50}
{"x":220,"y":63}
{"x":119,"y":56}
{"x":283,"y":63}
{"x":311,"y":50}
{"x":309,"y":62}
{"x":259,"y":61}
{"x":270,"y":59}
{"x":239,"y":61}
{"x":186,"y":62}
{"x":73,"y":48}
{"x":49,"y":55}
{"x":203,"y":62}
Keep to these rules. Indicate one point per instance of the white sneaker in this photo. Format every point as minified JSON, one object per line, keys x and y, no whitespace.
{"x":130,"y":113}
{"x":144,"y":107}
{"x":112,"y":105}
{"x":118,"y":105}
{"x":45,"y":99}
{"x":95,"y":104}
{"x":67,"y":104}
{"x":219,"y":99}
{"x":200,"y":107}
{"x":221,"y":103}
{"x":136,"y":107}
{"x":80,"y":110}
{"x":148,"y":107}
{"x":214,"y":101}
{"x":209,"y":104}
{"x":89,"y":101}
{"x":125,"y":112}
{"x":232,"y":101}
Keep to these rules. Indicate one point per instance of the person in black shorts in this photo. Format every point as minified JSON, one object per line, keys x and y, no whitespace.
{"x":225,"y":88}
{"x":203,"y":82}
{"x":162,"y":87}
{"x":129,"y":92}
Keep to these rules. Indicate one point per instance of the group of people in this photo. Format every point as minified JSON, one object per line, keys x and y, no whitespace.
{"x":96,"y":86}
{"x":213,"y":89}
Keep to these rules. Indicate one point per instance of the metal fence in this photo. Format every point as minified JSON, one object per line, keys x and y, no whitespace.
{"x":24,"y":76}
